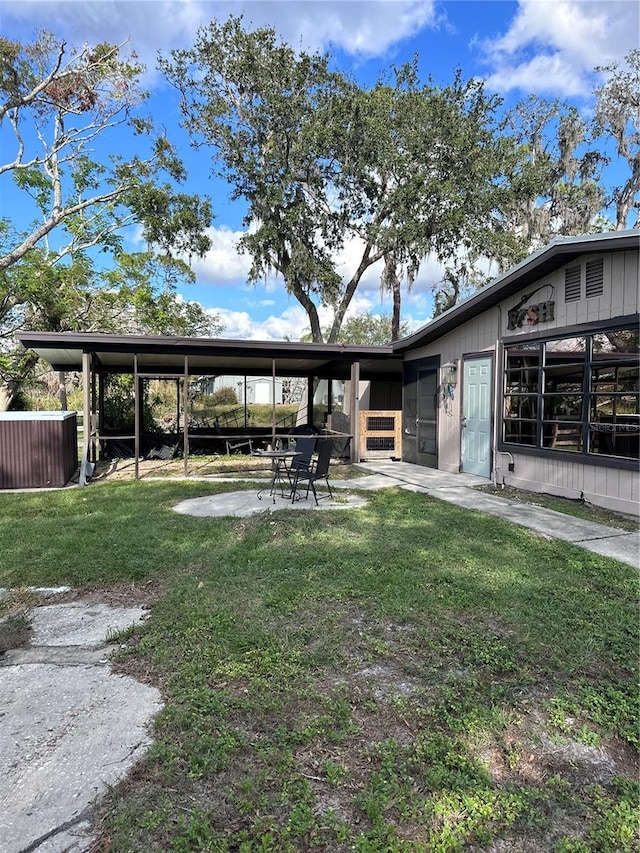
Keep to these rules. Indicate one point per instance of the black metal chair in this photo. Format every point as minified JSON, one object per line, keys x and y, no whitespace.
{"x":305,"y":445}
{"x":315,"y":470}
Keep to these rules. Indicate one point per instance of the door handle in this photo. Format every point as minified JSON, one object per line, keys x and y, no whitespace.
{"x":463,"y":422}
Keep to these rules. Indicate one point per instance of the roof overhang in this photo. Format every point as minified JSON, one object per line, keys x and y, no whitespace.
{"x":165,"y":356}
{"x":555,"y":255}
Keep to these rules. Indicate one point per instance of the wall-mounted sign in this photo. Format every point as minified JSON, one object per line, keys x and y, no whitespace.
{"x":518,"y":317}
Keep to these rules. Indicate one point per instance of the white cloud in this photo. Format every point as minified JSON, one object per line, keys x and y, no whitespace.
{"x":290,"y":325}
{"x":362,"y":27}
{"x":552,"y":46}
{"x":223,"y":264}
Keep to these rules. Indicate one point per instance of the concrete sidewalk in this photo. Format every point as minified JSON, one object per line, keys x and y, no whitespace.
{"x":459,"y":489}
{"x":69,"y":727}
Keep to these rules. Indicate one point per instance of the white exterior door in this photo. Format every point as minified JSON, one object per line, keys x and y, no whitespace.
{"x":476,"y":417}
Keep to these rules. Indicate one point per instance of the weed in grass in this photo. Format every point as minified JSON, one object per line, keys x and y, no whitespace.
{"x":357,"y":681}
{"x":15,"y":618}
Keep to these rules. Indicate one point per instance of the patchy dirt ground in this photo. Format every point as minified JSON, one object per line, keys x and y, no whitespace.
{"x":371,"y":719}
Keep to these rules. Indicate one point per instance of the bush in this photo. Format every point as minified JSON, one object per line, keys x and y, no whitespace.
{"x":224,"y":397}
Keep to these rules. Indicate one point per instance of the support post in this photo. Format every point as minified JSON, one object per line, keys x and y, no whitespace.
{"x":93,"y":449}
{"x":273,"y":403}
{"x":137,"y":418}
{"x":86,"y":416}
{"x":185,"y":407}
{"x":100,"y":380}
{"x":355,"y":411}
{"x":310,"y":394}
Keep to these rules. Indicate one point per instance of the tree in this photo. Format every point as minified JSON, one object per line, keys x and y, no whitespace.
{"x":259,"y":106}
{"x":137,"y":295}
{"x":617,"y":115}
{"x":369,"y":330}
{"x":56,"y":108}
{"x":427,"y":178}
{"x":401,"y":170}
{"x":554,"y":176}
{"x":58,"y":105}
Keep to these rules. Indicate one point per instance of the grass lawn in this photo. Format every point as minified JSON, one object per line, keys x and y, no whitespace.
{"x":405,"y":677}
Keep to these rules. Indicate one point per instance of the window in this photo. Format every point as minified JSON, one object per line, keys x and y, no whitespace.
{"x":562,"y":397}
{"x":575,"y":394}
{"x":614,"y":398}
{"x":521,"y":393}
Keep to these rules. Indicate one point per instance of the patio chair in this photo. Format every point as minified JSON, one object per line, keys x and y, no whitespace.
{"x":305,"y":445}
{"x":317,"y":469}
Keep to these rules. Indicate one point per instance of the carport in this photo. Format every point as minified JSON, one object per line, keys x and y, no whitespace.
{"x":145,"y":357}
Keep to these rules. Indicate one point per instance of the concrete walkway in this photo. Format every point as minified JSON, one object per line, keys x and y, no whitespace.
{"x":69,"y":727}
{"x":459,"y":489}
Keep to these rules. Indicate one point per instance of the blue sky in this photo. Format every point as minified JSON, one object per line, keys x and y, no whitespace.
{"x":544,"y":47}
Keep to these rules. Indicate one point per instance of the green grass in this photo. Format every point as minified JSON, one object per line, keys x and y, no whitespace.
{"x":409,"y":676}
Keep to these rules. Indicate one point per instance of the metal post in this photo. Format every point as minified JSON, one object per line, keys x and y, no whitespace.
{"x":355,"y":411}
{"x":100,"y":379}
{"x":92,"y":439}
{"x":86,"y":416}
{"x":185,"y":407}
{"x":137,"y":419}
{"x":273,"y":403}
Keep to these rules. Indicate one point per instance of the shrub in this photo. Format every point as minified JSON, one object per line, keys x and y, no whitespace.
{"x":224,"y":397}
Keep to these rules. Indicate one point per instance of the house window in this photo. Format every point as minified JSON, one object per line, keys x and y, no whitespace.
{"x":575,"y":394}
{"x":614,"y":398}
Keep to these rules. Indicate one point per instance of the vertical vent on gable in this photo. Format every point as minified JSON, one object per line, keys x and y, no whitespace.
{"x":572,"y":284}
{"x":595,"y":278}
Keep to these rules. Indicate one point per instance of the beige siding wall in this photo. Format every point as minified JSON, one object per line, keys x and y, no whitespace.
{"x":607,"y":487}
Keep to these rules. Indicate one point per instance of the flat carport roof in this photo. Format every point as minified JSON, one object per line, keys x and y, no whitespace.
{"x":147,"y":356}
{"x":164,"y":355}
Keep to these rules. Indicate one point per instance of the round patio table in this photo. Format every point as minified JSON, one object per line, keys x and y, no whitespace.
{"x":279,"y":471}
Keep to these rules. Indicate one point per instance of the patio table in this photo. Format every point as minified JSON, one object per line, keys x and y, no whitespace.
{"x":279,"y":471}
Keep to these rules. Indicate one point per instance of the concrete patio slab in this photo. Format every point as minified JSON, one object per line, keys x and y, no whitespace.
{"x":247,"y":503}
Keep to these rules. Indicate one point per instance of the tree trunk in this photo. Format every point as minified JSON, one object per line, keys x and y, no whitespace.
{"x":62,"y":393}
{"x":393,"y":283}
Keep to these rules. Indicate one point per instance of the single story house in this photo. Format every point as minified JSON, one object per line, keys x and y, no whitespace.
{"x":532,"y":382}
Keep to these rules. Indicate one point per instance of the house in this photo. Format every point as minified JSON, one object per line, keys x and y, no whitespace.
{"x":533,"y":382}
